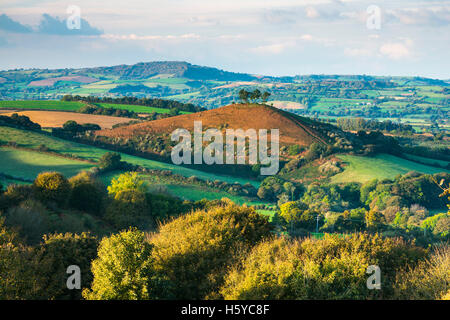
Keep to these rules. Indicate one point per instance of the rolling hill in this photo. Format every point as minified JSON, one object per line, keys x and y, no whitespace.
{"x":293,"y":129}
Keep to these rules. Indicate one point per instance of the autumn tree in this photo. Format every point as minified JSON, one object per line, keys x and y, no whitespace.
{"x":124,"y":270}
{"x":52,"y":187}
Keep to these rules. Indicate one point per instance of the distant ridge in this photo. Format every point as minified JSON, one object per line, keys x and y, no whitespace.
{"x":144,"y":70}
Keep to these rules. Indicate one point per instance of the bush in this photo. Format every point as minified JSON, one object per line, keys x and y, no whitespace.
{"x":128,"y":181}
{"x":428,"y":280}
{"x":110,"y":161}
{"x":14,"y":195}
{"x":52,"y":187}
{"x":123,"y":270}
{"x":87,"y":193}
{"x":194,"y":250}
{"x":56,"y":254}
{"x":130,"y":208}
{"x":330,"y":268}
{"x":31,"y":219}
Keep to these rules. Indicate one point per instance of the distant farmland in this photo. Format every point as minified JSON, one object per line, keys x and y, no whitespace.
{"x":53,"y":119}
{"x":382,"y":166}
{"x":55,"y":105}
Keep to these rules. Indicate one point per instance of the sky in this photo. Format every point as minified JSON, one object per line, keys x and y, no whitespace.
{"x":266,"y":37}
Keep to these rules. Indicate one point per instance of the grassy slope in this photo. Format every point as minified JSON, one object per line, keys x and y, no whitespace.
{"x":362,"y":169}
{"x":33,"y":140}
{"x":28,"y":164}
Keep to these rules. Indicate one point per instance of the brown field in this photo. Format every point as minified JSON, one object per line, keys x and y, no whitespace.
{"x":287,"y":105}
{"x":2,"y":111}
{"x":51,"y":81}
{"x":293,"y":130}
{"x":54,"y":119}
{"x":236,"y":84}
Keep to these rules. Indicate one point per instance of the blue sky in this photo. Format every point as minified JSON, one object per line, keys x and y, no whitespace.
{"x":272,"y":37}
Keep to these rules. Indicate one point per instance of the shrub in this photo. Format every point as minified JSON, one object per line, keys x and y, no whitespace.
{"x":123,"y":270}
{"x":87,"y":193}
{"x":330,"y":268}
{"x":15,"y":194}
{"x":31,"y":219}
{"x":129,"y":208}
{"x":52,"y":187}
{"x":128,"y":181}
{"x":194,"y":250}
{"x":428,"y":280}
{"x":110,"y":161}
{"x":56,"y":254}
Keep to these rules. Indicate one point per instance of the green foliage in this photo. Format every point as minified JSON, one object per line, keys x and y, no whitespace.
{"x":316,"y":150}
{"x":128,"y":181}
{"x":129,"y":208}
{"x":87,"y":193}
{"x":294,"y":150}
{"x":31,"y":219}
{"x":56,"y":254}
{"x":52,"y":187}
{"x":194,"y":250}
{"x":298,"y":214}
{"x":123,"y":269}
{"x":330,"y":268}
{"x":110,"y":161}
{"x":428,"y":280}
{"x":14,"y":195}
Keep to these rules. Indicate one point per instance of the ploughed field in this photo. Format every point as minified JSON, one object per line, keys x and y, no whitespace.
{"x":55,"y":119}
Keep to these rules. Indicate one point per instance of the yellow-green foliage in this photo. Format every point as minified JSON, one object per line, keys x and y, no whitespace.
{"x":126,"y":181}
{"x":122,"y":268}
{"x":59,"y":251}
{"x":430,"y":279}
{"x":194,"y":250}
{"x":17,"y":267}
{"x":52,"y":187}
{"x":330,"y":268}
{"x":129,"y":208}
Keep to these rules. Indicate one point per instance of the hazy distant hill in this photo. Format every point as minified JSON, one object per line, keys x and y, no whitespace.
{"x":146,"y":70}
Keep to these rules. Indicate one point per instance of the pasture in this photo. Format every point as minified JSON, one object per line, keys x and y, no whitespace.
{"x":34,"y":140}
{"x":28,"y":164}
{"x":382,"y":166}
{"x":73,"y":106}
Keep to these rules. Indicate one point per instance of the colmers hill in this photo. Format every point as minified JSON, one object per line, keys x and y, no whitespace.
{"x":293,"y":129}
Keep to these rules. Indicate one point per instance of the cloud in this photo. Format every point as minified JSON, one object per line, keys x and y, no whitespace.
{"x":327,"y":12}
{"x":397,"y":50}
{"x":312,"y":13}
{"x":272,"y":49}
{"x":54,"y":26}
{"x":277,"y":16}
{"x":358,"y":52}
{"x":433,"y":16}
{"x":8,"y":24}
{"x":133,"y":36}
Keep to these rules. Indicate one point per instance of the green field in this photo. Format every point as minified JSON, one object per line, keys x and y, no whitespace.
{"x":137,"y":109}
{"x":182,"y":190}
{"x":74,"y":106}
{"x":426,"y":160}
{"x":33,"y":140}
{"x":42,"y":105}
{"x":194,"y":193}
{"x":382,"y":166}
{"x":28,"y":164}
